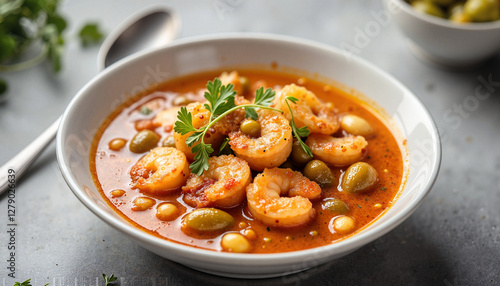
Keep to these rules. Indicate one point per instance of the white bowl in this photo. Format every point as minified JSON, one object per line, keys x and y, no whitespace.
{"x":444,"y":42}
{"x":106,"y":91}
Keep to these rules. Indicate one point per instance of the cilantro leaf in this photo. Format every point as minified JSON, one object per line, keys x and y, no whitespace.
{"x":200,"y":163}
{"x":251,"y":113}
{"x":261,"y":98}
{"x":184,"y":123}
{"x":264,"y":98}
{"x":220,"y":103}
{"x":90,"y":34}
{"x":298,"y":132}
{"x":195,"y":137}
{"x":220,"y":97}
{"x":225,"y":148}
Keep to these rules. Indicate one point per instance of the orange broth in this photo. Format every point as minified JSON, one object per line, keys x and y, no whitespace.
{"x":111,"y":170}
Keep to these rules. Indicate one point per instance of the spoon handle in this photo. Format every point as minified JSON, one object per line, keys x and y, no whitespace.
{"x":21,"y":161}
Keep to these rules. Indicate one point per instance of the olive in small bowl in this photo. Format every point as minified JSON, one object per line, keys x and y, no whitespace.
{"x":447,"y":43}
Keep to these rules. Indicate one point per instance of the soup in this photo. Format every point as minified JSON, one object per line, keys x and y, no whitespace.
{"x":259,"y":191}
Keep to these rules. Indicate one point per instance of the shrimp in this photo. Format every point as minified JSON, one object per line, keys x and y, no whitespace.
{"x":240,"y":83}
{"x":167,"y":118}
{"x":272,"y":148}
{"x":201,"y":117}
{"x":266,"y":204}
{"x":338,"y":152}
{"x":309,"y":111}
{"x":231,"y":122}
{"x":162,"y":170}
{"x":222,"y":185}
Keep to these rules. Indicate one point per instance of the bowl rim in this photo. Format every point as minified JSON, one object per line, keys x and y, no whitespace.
{"x":346,"y":245}
{"x":473,"y":26}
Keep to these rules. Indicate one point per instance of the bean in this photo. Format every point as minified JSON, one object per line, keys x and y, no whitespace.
{"x":167,"y":212}
{"x":117,"y":144}
{"x":235,"y":242}
{"x":143,"y":203}
{"x":208,"y":219}
{"x":356,"y":125}
{"x":359,"y":177}
{"x":250,"y":234}
{"x":117,"y":193}
{"x":344,"y":224}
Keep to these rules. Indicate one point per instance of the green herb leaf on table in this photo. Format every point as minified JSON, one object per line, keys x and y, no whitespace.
{"x":25,"y":283}
{"x":109,"y":280}
{"x":90,"y":34}
{"x":3,"y":86}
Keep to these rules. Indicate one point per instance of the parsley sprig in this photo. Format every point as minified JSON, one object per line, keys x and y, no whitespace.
{"x":25,"y":26}
{"x":298,"y":133}
{"x":220,"y":103}
{"x":109,"y":279}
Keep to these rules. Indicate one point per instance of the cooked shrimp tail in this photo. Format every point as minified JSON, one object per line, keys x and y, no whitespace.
{"x":267,"y":205}
{"x":271,"y":148}
{"x":222,"y":185}
{"x":309,"y":111}
{"x":338,"y":152}
{"x":160,"y":171}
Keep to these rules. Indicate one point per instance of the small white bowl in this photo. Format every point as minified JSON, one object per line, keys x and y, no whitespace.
{"x":93,"y":104}
{"x":444,"y":42}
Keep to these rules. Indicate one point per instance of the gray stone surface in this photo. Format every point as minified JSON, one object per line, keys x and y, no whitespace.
{"x":452,"y":239}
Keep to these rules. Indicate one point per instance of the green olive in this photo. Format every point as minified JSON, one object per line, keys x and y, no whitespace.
{"x":250,"y":127}
{"x":245,"y":84}
{"x":482,"y":10}
{"x":169,"y":141}
{"x":457,"y":14}
{"x":181,"y":100}
{"x":208,"y":219}
{"x":335,"y":206}
{"x":287,"y":164}
{"x":428,"y":8}
{"x":359,"y":177}
{"x":320,"y":173}
{"x":442,"y":2}
{"x":144,"y":141}
{"x":356,"y":125}
{"x":298,"y":155}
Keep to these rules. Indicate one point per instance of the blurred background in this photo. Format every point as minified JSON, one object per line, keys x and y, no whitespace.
{"x":452,"y":239}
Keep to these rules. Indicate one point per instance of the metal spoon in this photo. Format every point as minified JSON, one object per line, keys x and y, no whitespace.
{"x":149,"y":28}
